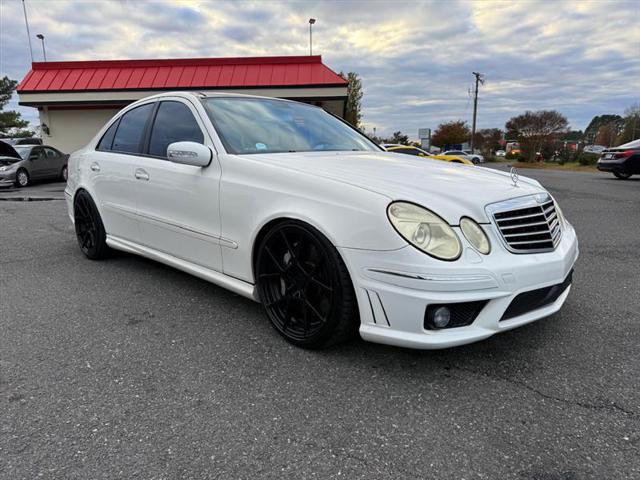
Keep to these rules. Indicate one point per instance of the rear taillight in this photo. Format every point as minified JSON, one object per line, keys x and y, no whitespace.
{"x":625,"y":154}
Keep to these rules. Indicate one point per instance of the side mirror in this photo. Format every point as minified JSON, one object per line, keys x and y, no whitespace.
{"x":190,"y":153}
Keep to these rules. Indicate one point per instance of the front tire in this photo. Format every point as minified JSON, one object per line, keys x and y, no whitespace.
{"x":90,"y":231}
{"x":622,"y":175}
{"x":305,"y":287}
{"x":22,"y":178}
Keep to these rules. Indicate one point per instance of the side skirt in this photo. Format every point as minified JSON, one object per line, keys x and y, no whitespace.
{"x":237,"y":286}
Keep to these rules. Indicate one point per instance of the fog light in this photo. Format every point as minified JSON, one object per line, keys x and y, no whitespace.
{"x":441,"y":317}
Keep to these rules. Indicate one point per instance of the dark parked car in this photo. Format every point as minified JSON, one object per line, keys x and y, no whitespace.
{"x":622,"y":161}
{"x":20,"y":164}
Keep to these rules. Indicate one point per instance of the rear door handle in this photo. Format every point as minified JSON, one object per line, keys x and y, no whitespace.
{"x":141,"y":174}
{"x":95,"y":167}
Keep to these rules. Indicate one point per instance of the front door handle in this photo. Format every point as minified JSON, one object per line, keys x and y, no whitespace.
{"x":95,"y":167}
{"x":141,"y":174}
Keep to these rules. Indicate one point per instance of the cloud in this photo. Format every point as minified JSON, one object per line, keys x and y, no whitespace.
{"x":415,"y":57}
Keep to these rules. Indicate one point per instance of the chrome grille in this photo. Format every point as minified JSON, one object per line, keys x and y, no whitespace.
{"x":528,"y":224}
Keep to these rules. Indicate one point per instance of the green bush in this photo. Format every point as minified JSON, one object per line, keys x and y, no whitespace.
{"x":584,"y":158}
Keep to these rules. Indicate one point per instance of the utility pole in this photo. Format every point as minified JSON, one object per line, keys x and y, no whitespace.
{"x":26,"y":22}
{"x":311,"y":22}
{"x":479,"y":80}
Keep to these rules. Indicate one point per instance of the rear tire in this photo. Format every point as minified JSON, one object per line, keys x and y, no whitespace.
{"x":305,"y":287}
{"x":622,"y":175}
{"x":90,"y":231}
{"x":22,"y":178}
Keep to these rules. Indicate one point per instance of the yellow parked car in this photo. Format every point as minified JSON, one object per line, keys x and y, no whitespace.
{"x":418,"y":152}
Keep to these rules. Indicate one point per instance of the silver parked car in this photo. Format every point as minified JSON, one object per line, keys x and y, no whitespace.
{"x":21,"y":164}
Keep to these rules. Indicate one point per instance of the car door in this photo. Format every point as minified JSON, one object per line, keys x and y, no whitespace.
{"x":37,"y":163}
{"x":178,"y":204}
{"x":111,"y":169}
{"x":55,"y":161}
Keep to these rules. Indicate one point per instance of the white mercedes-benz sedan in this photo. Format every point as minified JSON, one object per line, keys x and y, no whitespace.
{"x":290,"y":206}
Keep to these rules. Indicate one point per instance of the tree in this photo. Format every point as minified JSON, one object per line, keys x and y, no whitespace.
{"x":398,"y":137}
{"x":11,"y":123}
{"x":607,"y":135}
{"x":536,"y":130}
{"x":599,"y":120}
{"x":488,"y":139}
{"x":353,"y":113}
{"x":631,"y":130}
{"x":451,"y":133}
{"x":574,"y":135}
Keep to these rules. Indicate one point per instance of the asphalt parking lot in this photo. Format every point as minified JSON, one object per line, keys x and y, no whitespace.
{"x":129,"y":369}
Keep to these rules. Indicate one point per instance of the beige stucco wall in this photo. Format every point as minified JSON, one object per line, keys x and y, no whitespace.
{"x":73,"y":128}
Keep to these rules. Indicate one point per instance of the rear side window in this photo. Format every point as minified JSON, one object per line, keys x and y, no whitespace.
{"x":107,"y":138}
{"x":130,"y":131}
{"x":174,"y":123}
{"x":408,"y":151}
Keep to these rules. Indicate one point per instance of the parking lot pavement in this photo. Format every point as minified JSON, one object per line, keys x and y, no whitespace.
{"x":35,"y":192}
{"x":126,"y":368}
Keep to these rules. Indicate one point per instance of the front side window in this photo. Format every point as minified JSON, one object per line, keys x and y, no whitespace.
{"x":128,"y":137}
{"x":51,"y":153}
{"x":256,"y":125}
{"x":36,"y":154}
{"x":174,"y":122}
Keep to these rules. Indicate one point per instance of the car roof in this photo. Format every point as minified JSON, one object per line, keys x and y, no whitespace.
{"x":207,"y":94}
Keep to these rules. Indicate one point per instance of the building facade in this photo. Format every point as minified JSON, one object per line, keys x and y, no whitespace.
{"x":75,"y":99}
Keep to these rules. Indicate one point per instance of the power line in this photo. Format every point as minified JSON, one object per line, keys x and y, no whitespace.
{"x":24,"y":9}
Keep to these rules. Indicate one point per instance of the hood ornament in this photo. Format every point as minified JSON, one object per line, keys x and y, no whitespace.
{"x":514,"y":176}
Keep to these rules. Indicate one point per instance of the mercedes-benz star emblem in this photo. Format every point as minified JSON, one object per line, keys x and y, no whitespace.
{"x":514,"y":176}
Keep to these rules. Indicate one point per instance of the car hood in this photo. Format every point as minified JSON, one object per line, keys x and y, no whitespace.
{"x":7,"y":150}
{"x":450,"y":190}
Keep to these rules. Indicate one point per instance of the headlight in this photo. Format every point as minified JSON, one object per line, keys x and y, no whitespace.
{"x":424,"y":230}
{"x":475,"y":234}
{"x":2,"y":169}
{"x":561,"y":217}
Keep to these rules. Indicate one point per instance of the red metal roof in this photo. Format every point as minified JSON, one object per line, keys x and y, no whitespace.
{"x":187,"y":73}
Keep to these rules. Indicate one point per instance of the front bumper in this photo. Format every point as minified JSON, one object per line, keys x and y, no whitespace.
{"x":7,"y":179}
{"x":394,"y":289}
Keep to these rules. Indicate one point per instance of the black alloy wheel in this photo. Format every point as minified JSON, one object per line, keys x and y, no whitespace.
{"x":305,"y":287}
{"x":622,"y":175}
{"x":22,"y":178}
{"x":89,"y":228}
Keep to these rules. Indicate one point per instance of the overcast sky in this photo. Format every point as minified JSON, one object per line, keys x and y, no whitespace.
{"x":415,"y":57}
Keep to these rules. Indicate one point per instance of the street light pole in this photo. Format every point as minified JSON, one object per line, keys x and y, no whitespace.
{"x":44,"y":52}
{"x":26,"y":22}
{"x":311,"y":22}
{"x":479,"y":79}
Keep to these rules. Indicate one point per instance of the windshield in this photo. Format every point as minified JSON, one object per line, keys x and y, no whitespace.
{"x":22,"y":151}
{"x":257,"y":125}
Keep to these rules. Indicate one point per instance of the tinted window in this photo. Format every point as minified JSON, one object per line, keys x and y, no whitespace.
{"x":408,"y":151}
{"x":107,"y":138}
{"x":128,"y":137}
{"x":174,"y":123}
{"x":36,"y":154}
{"x":51,"y":153}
